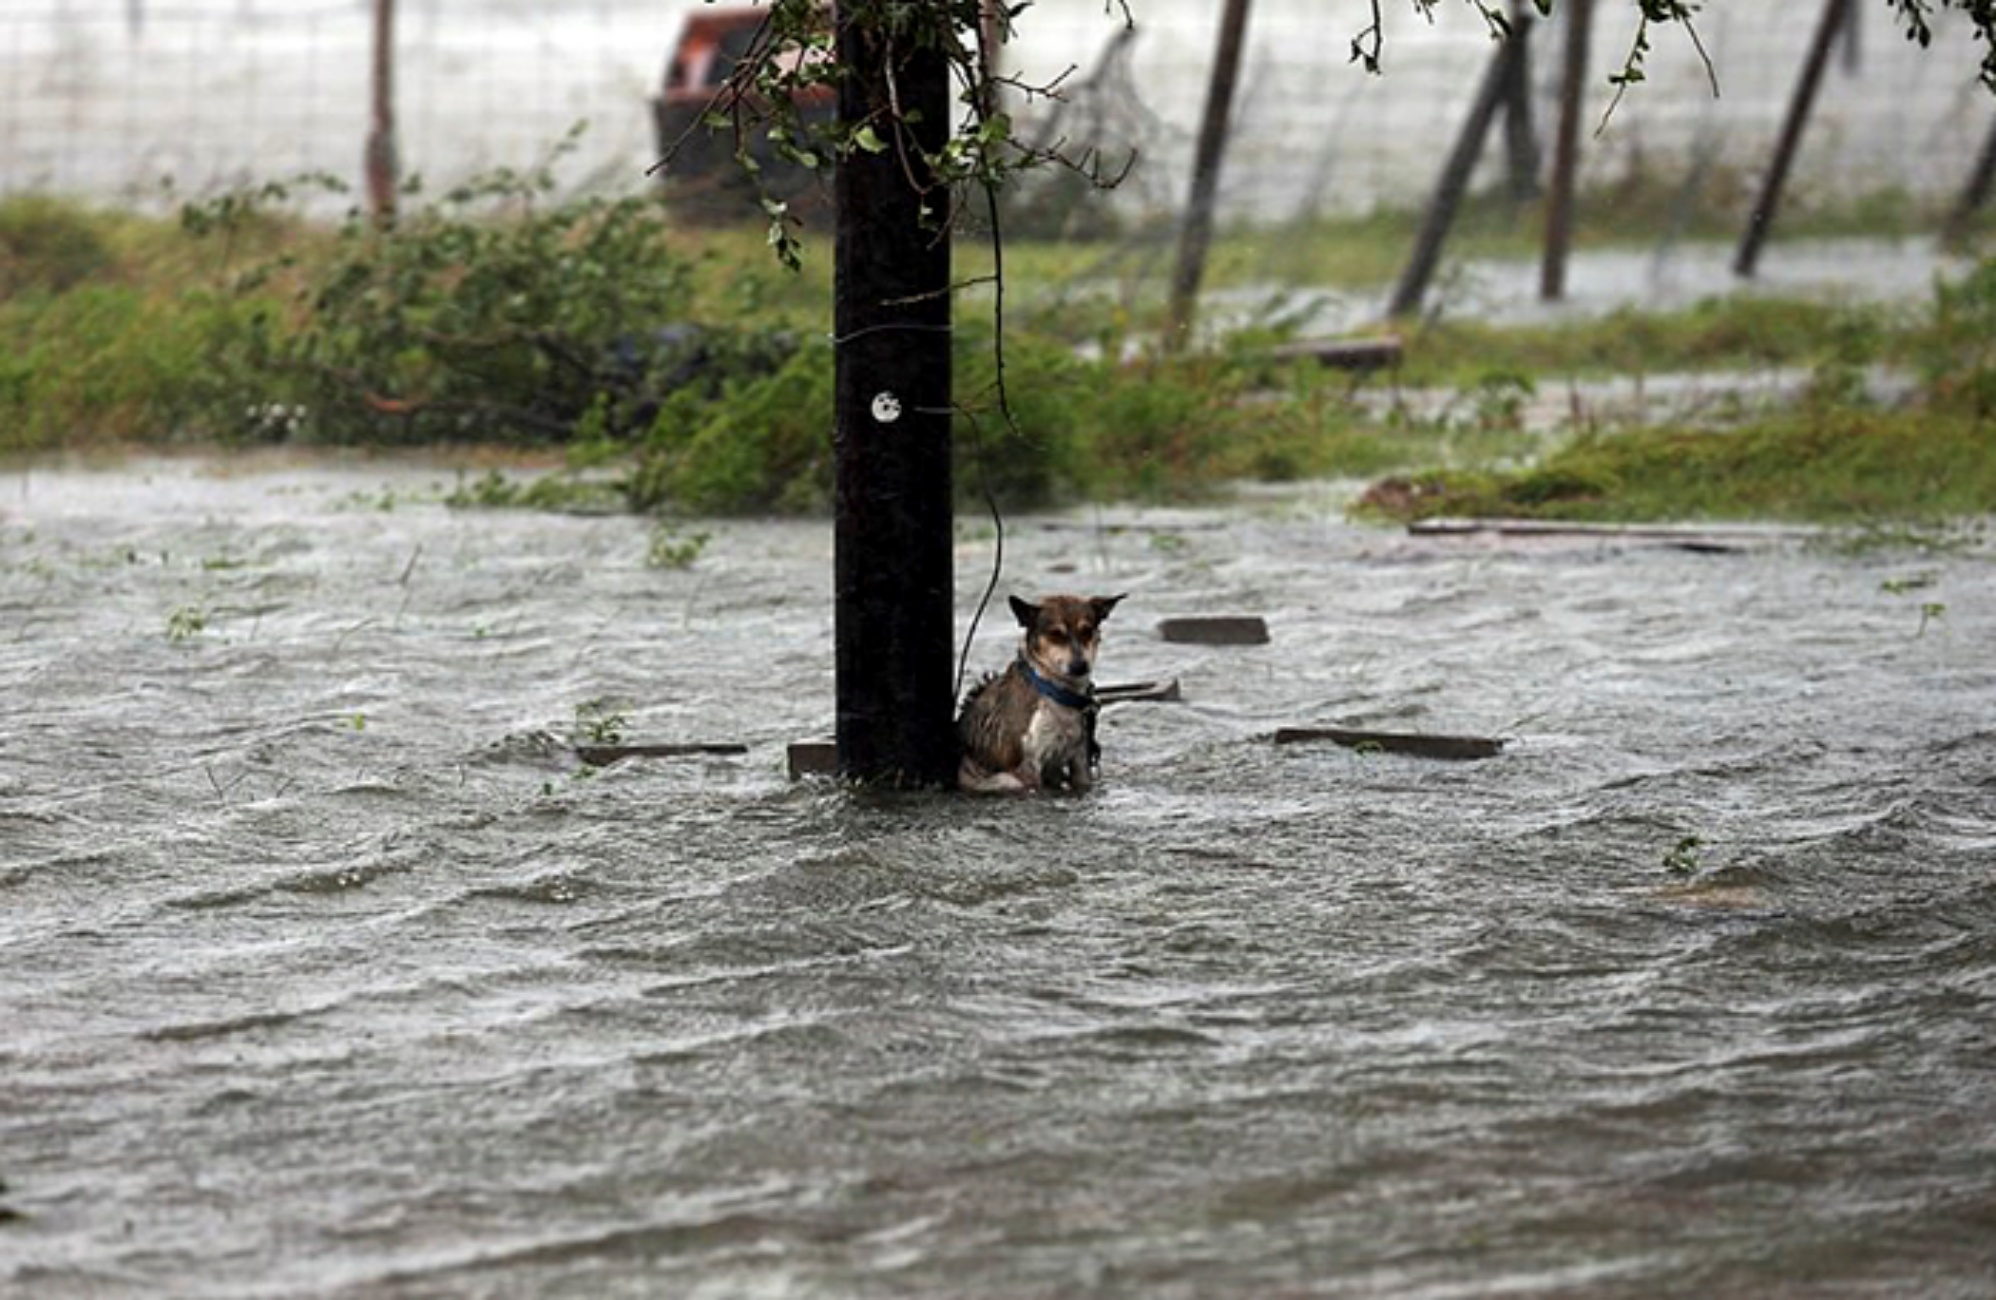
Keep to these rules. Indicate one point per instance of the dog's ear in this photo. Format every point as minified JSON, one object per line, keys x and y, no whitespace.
{"x":1026,"y":612}
{"x":1101,"y":605}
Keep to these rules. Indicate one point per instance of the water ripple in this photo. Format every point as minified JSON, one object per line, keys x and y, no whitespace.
{"x":327,"y":970}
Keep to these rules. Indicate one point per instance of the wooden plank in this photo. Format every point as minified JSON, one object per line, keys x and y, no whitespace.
{"x":604,"y":755}
{"x":1452,"y":748}
{"x":1116,"y":528}
{"x":1221,"y":630}
{"x":1139,"y":692}
{"x":1714,"y":536}
{"x":813,"y":758}
{"x":1342,"y":354}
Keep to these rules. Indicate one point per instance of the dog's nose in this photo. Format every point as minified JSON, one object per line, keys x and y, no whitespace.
{"x":1077,"y":667}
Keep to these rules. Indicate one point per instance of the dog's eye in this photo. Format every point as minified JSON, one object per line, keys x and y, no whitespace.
{"x":1057,"y":636}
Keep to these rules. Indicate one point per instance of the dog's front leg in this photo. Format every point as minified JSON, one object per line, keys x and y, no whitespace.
{"x":1062,"y":774}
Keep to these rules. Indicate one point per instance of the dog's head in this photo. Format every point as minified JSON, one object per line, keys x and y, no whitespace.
{"x":1063,"y":633}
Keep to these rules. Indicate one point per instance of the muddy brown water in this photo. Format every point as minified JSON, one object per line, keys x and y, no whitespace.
{"x":325,"y":970}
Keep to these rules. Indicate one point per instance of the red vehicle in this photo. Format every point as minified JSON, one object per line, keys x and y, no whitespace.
{"x":701,"y":175}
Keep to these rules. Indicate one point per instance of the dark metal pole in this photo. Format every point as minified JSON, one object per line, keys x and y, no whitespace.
{"x":1197,"y":234}
{"x":380,"y":163}
{"x":1454,"y":181}
{"x":894,"y":620}
{"x":1761,"y":219}
{"x":1566,"y":150}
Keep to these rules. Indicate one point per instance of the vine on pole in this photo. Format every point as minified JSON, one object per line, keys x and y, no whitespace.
{"x":892,"y":528}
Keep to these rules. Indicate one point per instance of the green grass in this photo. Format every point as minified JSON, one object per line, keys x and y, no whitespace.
{"x":118,"y":330}
{"x":1720,"y":334}
{"x":1832,"y":457}
{"x":1834,"y":466}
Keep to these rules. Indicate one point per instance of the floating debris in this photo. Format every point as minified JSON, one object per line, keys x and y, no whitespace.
{"x":1215,"y":630}
{"x":813,"y":758}
{"x":1140,"y":693}
{"x":1452,"y":748}
{"x":604,"y":755}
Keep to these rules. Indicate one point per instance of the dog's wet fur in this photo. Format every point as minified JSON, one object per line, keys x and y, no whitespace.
{"x":1019,"y":735}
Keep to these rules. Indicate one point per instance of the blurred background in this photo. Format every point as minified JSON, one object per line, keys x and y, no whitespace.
{"x":140,"y":100}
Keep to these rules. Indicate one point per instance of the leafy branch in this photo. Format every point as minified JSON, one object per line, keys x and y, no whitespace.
{"x":1916,"y":16}
{"x":1657,"y":11}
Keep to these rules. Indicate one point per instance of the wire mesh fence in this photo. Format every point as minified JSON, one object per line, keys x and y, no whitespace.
{"x":124,"y":100}
{"x":1313,"y":133}
{"x":118,"y":98}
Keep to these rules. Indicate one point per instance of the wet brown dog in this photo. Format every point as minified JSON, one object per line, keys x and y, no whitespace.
{"x":1032,"y":727}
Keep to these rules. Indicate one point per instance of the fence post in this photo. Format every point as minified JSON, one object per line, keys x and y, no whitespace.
{"x":1453,"y":183}
{"x":380,"y":162}
{"x":1521,"y":138}
{"x":894,"y":593}
{"x":1566,"y":150}
{"x":1761,"y":219}
{"x":1197,"y":233}
{"x":379,"y":157}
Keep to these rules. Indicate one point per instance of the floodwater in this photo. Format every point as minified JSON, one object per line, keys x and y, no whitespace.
{"x":324,"y":970}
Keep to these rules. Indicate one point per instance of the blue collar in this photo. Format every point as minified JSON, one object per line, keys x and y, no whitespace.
{"x":1054,"y":690}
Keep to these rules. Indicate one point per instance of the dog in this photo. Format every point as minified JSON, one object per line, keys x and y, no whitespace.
{"x":1032,"y":726}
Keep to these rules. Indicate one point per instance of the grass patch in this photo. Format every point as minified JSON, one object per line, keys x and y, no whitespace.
{"x":48,"y":246}
{"x":1737,"y":333}
{"x":1831,"y":466}
{"x":685,"y":372}
{"x":1833,"y":457}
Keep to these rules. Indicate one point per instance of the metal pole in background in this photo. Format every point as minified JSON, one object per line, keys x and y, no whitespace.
{"x":1566,"y":150}
{"x":1521,"y":138}
{"x":1974,"y":194}
{"x":894,"y":592}
{"x":1453,"y":183}
{"x":1761,"y":219}
{"x":379,"y":158}
{"x":1197,"y":234}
